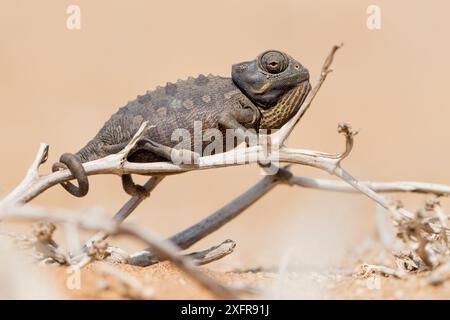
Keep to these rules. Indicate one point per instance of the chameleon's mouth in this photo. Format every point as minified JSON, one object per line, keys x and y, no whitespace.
{"x":266,"y":82}
{"x":299,"y":84}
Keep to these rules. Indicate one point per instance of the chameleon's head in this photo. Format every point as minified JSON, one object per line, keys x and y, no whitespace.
{"x":269,"y":77}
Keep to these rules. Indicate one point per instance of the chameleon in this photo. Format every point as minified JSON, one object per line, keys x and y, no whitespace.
{"x":263,"y":93}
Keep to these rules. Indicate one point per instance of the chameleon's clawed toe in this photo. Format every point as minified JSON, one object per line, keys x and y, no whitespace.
{"x":73,"y":163}
{"x":132,"y":188}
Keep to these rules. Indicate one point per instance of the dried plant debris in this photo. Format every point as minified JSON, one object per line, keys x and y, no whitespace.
{"x":424,"y":239}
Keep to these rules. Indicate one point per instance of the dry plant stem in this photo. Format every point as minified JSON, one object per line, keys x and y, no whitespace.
{"x":369,"y":269}
{"x":203,"y":228}
{"x":32,"y":173}
{"x":168,"y":251}
{"x":441,"y":216}
{"x":382,"y":187}
{"x":286,"y":130}
{"x":214,"y":253}
{"x":127,"y":208}
{"x":188,"y":237}
{"x":27,"y":191}
{"x":161,"y":248}
{"x":200,"y":258}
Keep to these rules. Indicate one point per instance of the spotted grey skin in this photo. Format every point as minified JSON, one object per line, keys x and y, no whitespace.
{"x":261,"y":94}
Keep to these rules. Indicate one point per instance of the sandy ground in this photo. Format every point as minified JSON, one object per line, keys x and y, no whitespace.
{"x":166,"y":282}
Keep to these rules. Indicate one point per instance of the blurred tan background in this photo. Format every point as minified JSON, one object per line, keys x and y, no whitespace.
{"x":59,"y":86}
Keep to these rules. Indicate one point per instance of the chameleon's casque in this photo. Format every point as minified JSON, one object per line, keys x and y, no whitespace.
{"x":261,"y":94}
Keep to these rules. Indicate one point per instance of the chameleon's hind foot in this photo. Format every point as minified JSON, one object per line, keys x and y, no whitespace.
{"x":177,"y":156}
{"x":132,"y":188}
{"x":73,"y":163}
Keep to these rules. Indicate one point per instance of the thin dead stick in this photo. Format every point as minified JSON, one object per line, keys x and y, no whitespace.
{"x":382,"y":187}
{"x":203,"y":228}
{"x":214,"y":253}
{"x":286,"y":130}
{"x":163,"y":249}
{"x":366,"y":270}
{"x":127,"y":208}
{"x":188,"y":237}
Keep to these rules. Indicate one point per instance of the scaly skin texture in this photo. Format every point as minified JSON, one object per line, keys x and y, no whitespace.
{"x":262,"y":94}
{"x":174,"y":106}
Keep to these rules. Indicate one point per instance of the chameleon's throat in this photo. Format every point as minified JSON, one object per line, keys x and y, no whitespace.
{"x":276,"y":116}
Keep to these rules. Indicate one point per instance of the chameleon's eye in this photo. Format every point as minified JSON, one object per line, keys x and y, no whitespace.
{"x":274,"y":62}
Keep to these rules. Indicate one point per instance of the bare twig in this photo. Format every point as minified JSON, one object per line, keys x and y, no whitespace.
{"x":286,"y":130}
{"x":163,"y":249}
{"x":366,"y":270}
{"x":203,"y":228}
{"x":382,"y":187}
{"x":32,"y":173}
{"x":200,"y":258}
{"x":214,"y":253}
{"x":127,"y":208}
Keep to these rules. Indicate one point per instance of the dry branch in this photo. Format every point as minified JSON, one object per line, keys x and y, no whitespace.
{"x":127,"y":208}
{"x":203,"y":228}
{"x":366,"y":270}
{"x":381,"y":187}
{"x":214,"y":253}
{"x":163,"y":249}
{"x":286,"y":130}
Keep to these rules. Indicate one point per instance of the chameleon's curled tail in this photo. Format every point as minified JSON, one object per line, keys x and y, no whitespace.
{"x":73,"y":163}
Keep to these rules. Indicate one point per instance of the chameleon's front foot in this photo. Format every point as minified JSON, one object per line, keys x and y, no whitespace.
{"x":73,"y":163}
